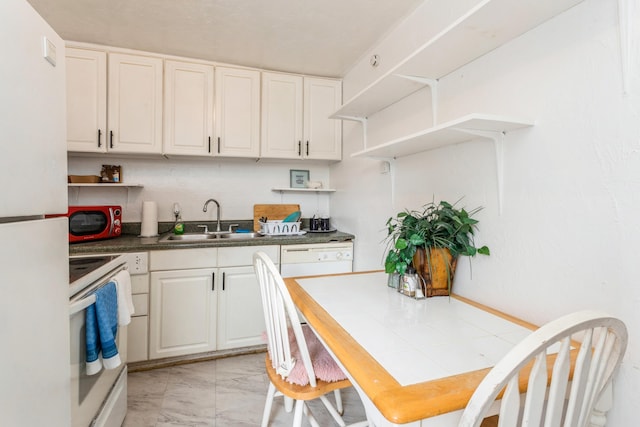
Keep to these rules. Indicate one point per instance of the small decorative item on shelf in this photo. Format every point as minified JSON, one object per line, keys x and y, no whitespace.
{"x":431,"y":241}
{"x":111,"y":174}
{"x":298,"y":178}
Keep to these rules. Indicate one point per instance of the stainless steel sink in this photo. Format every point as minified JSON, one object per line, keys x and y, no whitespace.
{"x":188,"y":237}
{"x":240,"y":235}
{"x":199,"y":237}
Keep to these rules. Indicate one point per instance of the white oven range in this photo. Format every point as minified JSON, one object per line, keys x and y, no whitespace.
{"x":98,"y":400}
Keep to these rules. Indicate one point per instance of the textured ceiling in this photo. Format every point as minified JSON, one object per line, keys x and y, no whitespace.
{"x":321,"y":37}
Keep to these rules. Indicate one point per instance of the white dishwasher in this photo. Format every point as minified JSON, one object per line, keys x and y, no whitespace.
{"x":319,"y":258}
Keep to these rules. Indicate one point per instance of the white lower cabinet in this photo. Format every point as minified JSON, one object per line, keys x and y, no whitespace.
{"x":204,"y":300}
{"x":183,"y":312}
{"x":240,"y":317}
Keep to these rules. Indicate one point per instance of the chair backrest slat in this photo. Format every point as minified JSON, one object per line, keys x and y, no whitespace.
{"x":603,"y":343}
{"x":536,"y":391}
{"x":510,"y":406}
{"x":579,"y":381}
{"x":281,"y":319}
{"x":559,"y":383}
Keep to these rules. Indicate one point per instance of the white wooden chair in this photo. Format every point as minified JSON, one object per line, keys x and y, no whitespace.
{"x":281,"y":318}
{"x":596,"y":341}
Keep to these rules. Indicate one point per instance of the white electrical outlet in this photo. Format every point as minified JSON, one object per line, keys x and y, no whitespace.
{"x":138,"y":263}
{"x":385,"y":167}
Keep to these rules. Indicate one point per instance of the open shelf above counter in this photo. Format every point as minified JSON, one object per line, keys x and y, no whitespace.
{"x":488,"y":25}
{"x":456,"y":131}
{"x":74,"y":188}
{"x":121,"y":185}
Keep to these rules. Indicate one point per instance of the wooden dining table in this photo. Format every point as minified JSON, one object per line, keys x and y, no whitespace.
{"x":414,"y":362}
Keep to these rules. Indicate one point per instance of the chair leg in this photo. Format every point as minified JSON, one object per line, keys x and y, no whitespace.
{"x":288,"y":404}
{"x":297,"y":415}
{"x":267,"y":405}
{"x":336,"y":416}
{"x":338,"y":397}
{"x":310,"y":417}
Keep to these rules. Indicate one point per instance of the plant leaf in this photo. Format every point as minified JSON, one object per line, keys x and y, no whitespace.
{"x":484,"y":250}
{"x":401,"y":243}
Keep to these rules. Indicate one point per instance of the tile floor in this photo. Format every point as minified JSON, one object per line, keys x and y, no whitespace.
{"x":227,"y":392}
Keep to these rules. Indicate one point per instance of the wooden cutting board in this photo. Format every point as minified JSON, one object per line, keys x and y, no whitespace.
{"x":271,"y":212}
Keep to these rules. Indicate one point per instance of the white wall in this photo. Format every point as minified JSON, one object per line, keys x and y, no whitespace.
{"x":568,"y":234}
{"x":237,"y":184}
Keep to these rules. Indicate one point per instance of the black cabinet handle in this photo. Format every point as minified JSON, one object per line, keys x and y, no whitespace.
{"x":213,"y":281}
{"x":307,"y":148}
{"x":223,"y":280}
{"x":299,"y":148}
{"x":99,"y":138}
{"x":209,"y":144}
{"x":110,"y":139}
{"x":218,"y":145}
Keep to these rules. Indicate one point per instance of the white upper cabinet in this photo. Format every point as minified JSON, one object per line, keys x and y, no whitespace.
{"x":145,"y":104}
{"x":295,"y":117}
{"x":188,"y":108}
{"x":86,"y":100}
{"x":322,"y":136}
{"x":191,"y":91}
{"x":281,"y":116}
{"x":135,"y":104}
{"x":126,"y":89}
{"x":237,"y":112}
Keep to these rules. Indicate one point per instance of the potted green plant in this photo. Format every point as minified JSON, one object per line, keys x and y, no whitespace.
{"x":431,"y":240}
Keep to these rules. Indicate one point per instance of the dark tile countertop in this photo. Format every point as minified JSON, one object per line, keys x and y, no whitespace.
{"x":134,"y":243}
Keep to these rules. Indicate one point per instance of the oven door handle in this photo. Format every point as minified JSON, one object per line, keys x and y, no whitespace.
{"x":78,"y":306}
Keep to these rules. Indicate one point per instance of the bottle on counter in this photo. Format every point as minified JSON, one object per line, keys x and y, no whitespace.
{"x":410,"y":282}
{"x":178,"y":228}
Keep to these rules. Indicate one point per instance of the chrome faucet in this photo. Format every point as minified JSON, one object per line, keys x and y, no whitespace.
{"x":204,"y":209}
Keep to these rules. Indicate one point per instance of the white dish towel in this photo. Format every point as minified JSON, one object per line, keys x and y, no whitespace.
{"x":125,"y":300}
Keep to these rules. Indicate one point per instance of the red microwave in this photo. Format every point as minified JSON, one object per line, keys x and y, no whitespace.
{"x":93,"y":222}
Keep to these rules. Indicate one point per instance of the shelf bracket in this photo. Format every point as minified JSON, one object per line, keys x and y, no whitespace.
{"x":498,"y":144}
{"x":363,"y":121}
{"x":433,"y":85}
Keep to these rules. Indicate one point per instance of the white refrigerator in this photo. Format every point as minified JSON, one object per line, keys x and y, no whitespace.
{"x":34,"y":282}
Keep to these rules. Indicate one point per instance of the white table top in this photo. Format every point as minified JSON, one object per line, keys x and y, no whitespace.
{"x":415,"y":341}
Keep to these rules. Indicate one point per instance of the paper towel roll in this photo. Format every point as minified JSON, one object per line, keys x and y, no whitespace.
{"x":149,"y":226}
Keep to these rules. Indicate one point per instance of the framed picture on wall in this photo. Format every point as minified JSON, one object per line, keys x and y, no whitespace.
{"x":298,"y":178}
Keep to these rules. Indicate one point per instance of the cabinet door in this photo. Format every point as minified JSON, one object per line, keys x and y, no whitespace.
{"x":188,"y":108}
{"x":137,"y":334}
{"x":240,"y":315}
{"x":86,"y":100}
{"x":281,"y":116}
{"x":322,"y":135}
{"x":237,"y":112}
{"x":135,"y":104}
{"x":182,"y":317}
